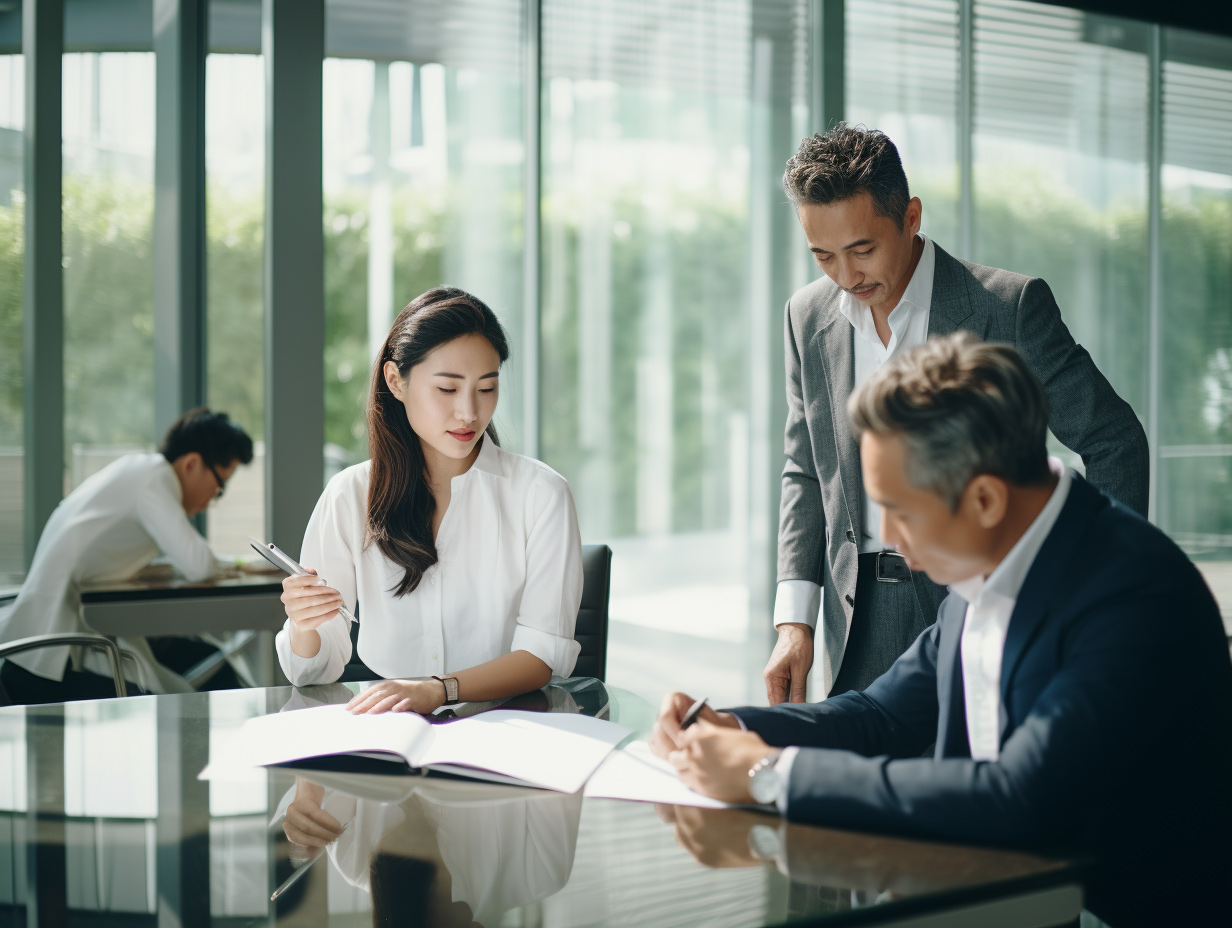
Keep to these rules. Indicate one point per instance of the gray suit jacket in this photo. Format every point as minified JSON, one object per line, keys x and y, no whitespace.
{"x":821,"y":514}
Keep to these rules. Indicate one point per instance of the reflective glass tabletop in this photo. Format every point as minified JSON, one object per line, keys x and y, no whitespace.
{"x":103,"y":821}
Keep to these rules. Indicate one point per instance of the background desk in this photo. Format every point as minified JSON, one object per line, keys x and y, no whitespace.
{"x":106,"y":823}
{"x":173,"y":606}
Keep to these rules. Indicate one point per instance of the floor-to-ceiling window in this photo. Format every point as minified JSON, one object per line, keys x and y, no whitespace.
{"x":1060,"y":171}
{"x":423,"y":182}
{"x":1194,"y":496}
{"x":108,"y":215}
{"x":12,"y":251}
{"x":903,"y":77}
{"x":235,"y":257}
{"x":648,"y":285}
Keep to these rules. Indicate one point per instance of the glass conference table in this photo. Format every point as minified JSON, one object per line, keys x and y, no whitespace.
{"x":104,"y":822}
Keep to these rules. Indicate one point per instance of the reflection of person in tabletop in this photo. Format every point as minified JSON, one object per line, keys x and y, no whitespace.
{"x":450,"y":853}
{"x":464,"y":559}
{"x":828,"y":872}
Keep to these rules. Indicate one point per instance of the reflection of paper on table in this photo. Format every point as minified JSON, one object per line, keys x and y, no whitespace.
{"x":636,"y":774}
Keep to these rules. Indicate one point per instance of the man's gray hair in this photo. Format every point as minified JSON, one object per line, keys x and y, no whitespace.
{"x":963,"y":407}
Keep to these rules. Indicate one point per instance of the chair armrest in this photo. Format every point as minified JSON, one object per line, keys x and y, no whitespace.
{"x":63,"y":639}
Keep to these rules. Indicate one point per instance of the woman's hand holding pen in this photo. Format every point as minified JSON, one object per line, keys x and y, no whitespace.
{"x":422,"y":696}
{"x":309,"y":604}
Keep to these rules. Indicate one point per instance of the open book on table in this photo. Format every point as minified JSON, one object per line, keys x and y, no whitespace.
{"x":551,"y":750}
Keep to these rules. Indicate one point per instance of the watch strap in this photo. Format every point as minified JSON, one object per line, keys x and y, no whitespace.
{"x":451,"y":689}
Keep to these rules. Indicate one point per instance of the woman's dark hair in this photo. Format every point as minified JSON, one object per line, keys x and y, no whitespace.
{"x":212,"y":435}
{"x":400,"y":502}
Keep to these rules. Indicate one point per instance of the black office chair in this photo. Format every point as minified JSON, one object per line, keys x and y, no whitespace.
{"x":590,"y":631}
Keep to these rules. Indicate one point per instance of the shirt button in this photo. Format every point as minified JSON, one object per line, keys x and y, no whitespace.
{"x":434,"y":655}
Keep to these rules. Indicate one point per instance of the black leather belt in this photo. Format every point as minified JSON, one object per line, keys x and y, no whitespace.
{"x":892,"y":568}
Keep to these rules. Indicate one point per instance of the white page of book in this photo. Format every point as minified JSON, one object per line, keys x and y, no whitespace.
{"x":320,"y":732}
{"x":634,"y":773}
{"x":555,"y":750}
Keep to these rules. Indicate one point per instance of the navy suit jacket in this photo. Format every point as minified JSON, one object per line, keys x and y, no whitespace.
{"x":1116,"y":725}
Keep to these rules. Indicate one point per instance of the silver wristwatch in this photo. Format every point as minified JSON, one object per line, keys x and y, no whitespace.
{"x":451,"y":689}
{"x":765,"y":784}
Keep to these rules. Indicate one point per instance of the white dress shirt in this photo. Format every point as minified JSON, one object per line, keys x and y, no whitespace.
{"x":990,"y":603}
{"x":108,"y":528}
{"x":800,"y":600}
{"x":508,"y":578}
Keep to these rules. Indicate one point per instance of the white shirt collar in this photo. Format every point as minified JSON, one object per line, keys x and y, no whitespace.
{"x":917,"y":298}
{"x":488,"y":459}
{"x":1007,"y":579}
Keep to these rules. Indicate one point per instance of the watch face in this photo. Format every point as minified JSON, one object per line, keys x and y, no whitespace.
{"x":765,"y":786}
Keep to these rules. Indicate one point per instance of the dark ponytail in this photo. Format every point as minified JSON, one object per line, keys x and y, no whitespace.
{"x":400,"y":502}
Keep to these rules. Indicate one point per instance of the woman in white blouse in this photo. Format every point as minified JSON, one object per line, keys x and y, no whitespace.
{"x":464,"y":559}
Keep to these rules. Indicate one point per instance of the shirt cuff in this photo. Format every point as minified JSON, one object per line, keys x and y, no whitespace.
{"x":797,"y":601}
{"x":560,"y":654}
{"x":783,"y":768}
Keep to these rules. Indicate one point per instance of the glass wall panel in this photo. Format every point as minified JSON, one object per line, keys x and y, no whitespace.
{"x":108,"y":217}
{"x":1060,"y":173}
{"x":902,"y":76}
{"x":1195,"y":402}
{"x":649,"y":112}
{"x":423,"y":183}
{"x":12,"y":251}
{"x":235,"y":280}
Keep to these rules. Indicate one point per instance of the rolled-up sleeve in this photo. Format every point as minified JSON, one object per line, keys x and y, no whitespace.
{"x":552,"y":594}
{"x":329,"y":542}
{"x":162,"y":516}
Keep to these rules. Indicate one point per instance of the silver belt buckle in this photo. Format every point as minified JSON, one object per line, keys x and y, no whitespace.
{"x":892,"y":568}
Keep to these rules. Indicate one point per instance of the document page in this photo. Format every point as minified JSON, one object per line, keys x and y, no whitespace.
{"x":555,"y":750}
{"x":636,"y":774}
{"x":321,"y":732}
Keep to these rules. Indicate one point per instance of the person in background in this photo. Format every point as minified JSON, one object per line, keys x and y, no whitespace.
{"x":465,"y":560}
{"x":888,"y":287}
{"x":1037,"y":693}
{"x":111,"y":526}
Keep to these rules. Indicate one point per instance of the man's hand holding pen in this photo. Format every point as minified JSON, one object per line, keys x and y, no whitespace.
{"x":713,"y":756}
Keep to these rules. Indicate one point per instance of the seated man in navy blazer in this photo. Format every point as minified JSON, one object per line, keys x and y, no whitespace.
{"x":1038,"y":684}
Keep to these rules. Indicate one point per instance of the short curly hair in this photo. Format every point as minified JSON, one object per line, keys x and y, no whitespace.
{"x":963,"y":407}
{"x":844,"y":162}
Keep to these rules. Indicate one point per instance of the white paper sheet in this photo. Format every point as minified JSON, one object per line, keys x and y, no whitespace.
{"x":556,"y":750}
{"x":636,"y":774}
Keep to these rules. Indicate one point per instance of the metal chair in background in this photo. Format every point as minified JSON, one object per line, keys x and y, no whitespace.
{"x":62,"y":639}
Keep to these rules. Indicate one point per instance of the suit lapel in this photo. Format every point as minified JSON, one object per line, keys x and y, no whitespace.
{"x":951,"y":703}
{"x":952,"y":305}
{"x":833,"y":344}
{"x":1043,"y":582}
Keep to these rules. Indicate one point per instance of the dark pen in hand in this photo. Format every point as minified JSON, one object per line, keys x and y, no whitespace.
{"x":694,"y":711}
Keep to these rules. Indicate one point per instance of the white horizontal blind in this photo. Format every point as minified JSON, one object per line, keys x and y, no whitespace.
{"x":1197,"y":103}
{"x":902,"y":56}
{"x":1057,"y":77}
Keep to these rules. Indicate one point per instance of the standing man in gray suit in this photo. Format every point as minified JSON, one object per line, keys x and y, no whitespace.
{"x":886,"y":289}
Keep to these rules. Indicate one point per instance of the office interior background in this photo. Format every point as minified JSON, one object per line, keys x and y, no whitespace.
{"x":605,"y":174}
